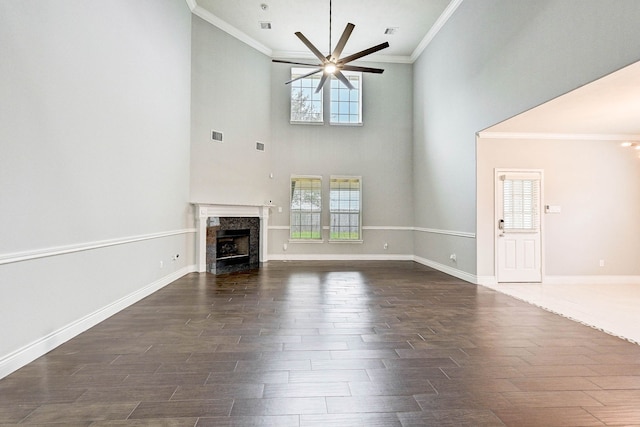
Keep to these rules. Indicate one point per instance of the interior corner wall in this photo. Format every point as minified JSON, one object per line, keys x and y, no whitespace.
{"x":94,"y":171}
{"x":231,"y":93}
{"x":379,"y":151}
{"x":492,"y":60}
{"x":593,"y":182}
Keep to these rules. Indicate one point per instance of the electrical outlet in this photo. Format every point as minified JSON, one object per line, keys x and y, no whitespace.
{"x":601,"y":263}
{"x":453,"y":257}
{"x":284,"y":246}
{"x":161,"y":264}
{"x":386,"y":246}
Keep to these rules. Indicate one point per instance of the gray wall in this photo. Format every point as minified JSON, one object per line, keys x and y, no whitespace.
{"x":379,"y":151}
{"x":594,"y":183}
{"x":237,"y":90}
{"x":231,"y":93}
{"x":94,"y":163}
{"x":492,"y":60}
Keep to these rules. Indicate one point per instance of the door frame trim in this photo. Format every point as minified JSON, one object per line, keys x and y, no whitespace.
{"x":496,"y":173}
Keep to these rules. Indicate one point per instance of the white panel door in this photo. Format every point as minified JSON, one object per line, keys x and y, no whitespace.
{"x":518,"y":235}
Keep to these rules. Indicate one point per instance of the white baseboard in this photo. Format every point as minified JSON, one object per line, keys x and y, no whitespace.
{"x":463,"y":275}
{"x":27,"y":354}
{"x":339,"y":257}
{"x":376,"y":257}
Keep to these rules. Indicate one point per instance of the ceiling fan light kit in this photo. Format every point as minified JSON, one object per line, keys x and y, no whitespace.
{"x":332,"y":64}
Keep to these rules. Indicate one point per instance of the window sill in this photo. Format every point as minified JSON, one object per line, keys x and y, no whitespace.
{"x":347,"y":241}
{"x":306,"y":240}
{"x":346,"y":124}
{"x":306,"y":123}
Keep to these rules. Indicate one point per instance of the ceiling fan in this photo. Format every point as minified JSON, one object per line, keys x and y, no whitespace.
{"x":332,"y":64}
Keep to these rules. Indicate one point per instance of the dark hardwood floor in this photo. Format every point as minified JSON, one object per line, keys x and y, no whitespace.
{"x":330,"y":344}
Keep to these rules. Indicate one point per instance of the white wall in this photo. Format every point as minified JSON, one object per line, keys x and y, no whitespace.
{"x":492,"y":60}
{"x":231,"y":90}
{"x":379,"y":151}
{"x":594,"y":183}
{"x":94,"y":170}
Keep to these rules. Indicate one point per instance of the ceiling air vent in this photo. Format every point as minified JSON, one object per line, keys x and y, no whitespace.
{"x":259,"y":146}
{"x":216,"y":136}
{"x":265,"y":25}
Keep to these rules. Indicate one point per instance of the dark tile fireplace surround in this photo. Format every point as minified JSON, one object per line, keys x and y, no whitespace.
{"x":233,"y":244}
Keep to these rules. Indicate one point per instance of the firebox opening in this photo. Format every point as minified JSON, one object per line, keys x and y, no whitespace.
{"x":232,"y":246}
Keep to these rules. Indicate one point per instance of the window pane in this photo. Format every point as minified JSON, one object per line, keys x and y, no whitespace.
{"x":520,"y":204}
{"x":306,"y":206}
{"x":344,"y":205}
{"x":306,"y":105}
{"x":345,"y":103}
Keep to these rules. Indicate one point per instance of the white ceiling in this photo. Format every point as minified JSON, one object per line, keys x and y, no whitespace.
{"x":608,"y":108}
{"x":413,"y":18}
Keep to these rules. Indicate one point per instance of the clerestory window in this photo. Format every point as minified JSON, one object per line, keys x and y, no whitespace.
{"x":345,"y":104}
{"x":306,"y":104}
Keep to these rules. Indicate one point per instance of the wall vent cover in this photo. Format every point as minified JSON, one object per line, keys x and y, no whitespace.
{"x":216,"y":136}
{"x":260,"y":146}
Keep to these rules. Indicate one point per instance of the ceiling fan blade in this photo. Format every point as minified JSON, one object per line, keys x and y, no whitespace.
{"x":363,"y":53}
{"x":312,"y":48}
{"x":343,"y":79}
{"x":342,"y":42}
{"x":362,"y":69}
{"x":306,"y":75}
{"x":295,"y":63}
{"x":323,"y":79}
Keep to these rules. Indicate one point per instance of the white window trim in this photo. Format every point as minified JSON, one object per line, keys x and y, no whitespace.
{"x":321,"y":239}
{"x":322,"y":102}
{"x":360,"y":91}
{"x":361,"y":239}
{"x":312,"y":241}
{"x":326,"y":102}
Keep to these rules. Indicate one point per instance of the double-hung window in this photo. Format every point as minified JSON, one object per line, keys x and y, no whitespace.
{"x":345,"y":208}
{"x":306,"y":208}
{"x":306,"y":104}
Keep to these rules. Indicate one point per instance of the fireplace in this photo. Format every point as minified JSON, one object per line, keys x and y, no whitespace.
{"x":212,"y":218}
{"x":233,"y":244}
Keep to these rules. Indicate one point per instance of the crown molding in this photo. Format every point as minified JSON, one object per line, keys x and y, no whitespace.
{"x":559,"y":136}
{"x":229,"y":29}
{"x":306,"y":56}
{"x":234,"y":32}
{"x":435,"y":29}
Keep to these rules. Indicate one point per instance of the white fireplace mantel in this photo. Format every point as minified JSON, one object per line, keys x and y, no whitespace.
{"x":206,"y":210}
